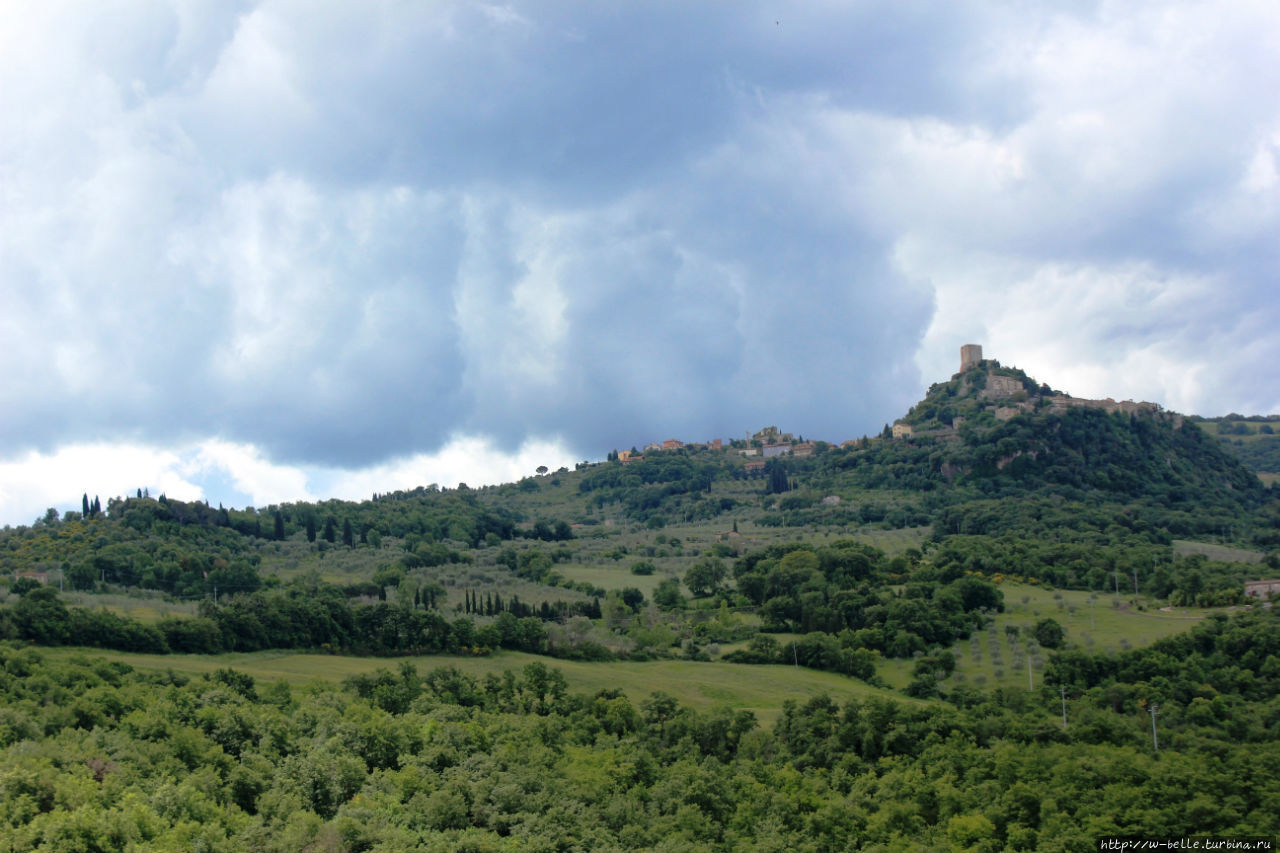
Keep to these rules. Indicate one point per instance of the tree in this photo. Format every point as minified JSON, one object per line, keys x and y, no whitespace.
{"x":704,"y":577}
{"x":541,"y":469}
{"x":777,"y":479}
{"x":81,"y":575}
{"x":348,"y":537}
{"x":40,"y":616}
{"x":1049,"y":633}
{"x":667,"y":595}
{"x":632,"y":598}
{"x":279,"y":526}
{"x":330,"y":529}
{"x":22,"y":586}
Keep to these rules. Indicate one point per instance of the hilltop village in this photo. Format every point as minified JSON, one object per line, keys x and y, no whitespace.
{"x":663,"y":652}
{"x":982,"y":387}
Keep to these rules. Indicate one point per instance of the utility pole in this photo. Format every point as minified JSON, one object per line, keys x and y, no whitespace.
{"x":794,"y":654}
{"x":1135,"y":581}
{"x":1116,"y":576}
{"x":1063,"y":690}
{"x":1155,"y":743}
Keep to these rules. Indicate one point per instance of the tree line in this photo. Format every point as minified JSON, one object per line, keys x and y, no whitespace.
{"x":95,"y":756}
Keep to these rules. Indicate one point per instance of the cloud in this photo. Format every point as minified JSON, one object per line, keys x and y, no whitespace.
{"x":59,"y":479}
{"x":469,"y":460}
{"x":342,"y":236}
{"x":237,"y":474}
{"x":250,"y":473}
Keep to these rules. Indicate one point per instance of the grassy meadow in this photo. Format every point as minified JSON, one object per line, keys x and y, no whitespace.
{"x":994,"y":656}
{"x":1096,"y":622}
{"x":759,"y":689}
{"x":1213,"y":551}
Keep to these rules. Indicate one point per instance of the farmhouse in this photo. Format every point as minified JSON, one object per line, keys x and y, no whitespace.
{"x":1262,"y":589}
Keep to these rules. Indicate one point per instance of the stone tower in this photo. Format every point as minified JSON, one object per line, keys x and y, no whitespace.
{"x":970,"y":354}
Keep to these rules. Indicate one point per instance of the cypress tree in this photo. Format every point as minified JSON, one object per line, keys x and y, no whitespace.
{"x":311,"y":528}
{"x":347,"y":536}
{"x":84,"y":505}
{"x":279,"y":528}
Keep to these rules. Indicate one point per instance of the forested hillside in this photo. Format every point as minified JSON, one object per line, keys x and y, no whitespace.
{"x":1000,"y":549}
{"x":94,"y":756}
{"x":681,"y":552}
{"x":1255,"y":440}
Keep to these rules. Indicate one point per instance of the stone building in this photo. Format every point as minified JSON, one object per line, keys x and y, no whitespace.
{"x":1262,"y":589}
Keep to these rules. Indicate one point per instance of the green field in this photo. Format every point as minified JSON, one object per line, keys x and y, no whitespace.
{"x":893,"y":542}
{"x":1222,"y":553}
{"x":613,"y":577}
{"x":146,"y":607}
{"x":991,"y":658}
{"x":759,"y":689}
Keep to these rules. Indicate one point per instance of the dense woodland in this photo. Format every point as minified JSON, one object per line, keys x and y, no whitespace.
{"x":600,"y":564}
{"x":98,"y":757}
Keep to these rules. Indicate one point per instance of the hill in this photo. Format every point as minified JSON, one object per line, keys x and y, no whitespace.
{"x":1254,"y":440}
{"x":1000,"y":592}
{"x":884,"y":547}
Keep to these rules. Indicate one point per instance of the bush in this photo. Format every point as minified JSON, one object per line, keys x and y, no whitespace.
{"x":1049,"y":633}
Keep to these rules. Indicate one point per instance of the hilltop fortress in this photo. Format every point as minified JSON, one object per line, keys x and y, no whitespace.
{"x":1005,"y":393}
{"x":999,"y":387}
{"x":982,"y":393}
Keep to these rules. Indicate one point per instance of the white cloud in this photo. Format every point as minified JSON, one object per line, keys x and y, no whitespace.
{"x":473,"y":460}
{"x":199,"y":470}
{"x":59,"y":479}
{"x":249,"y":471}
{"x":1092,"y":330}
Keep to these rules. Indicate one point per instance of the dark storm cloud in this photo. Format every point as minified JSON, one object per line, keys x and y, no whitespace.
{"x":344,"y":233}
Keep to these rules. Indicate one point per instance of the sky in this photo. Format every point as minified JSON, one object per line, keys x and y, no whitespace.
{"x":258,"y":252}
